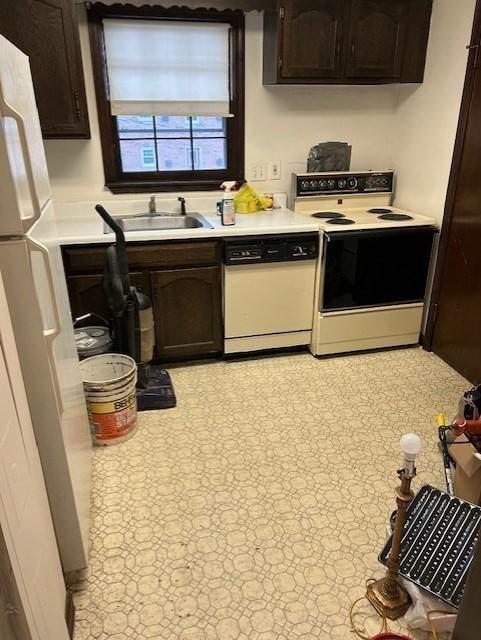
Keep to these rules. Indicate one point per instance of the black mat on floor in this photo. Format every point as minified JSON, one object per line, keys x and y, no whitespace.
{"x":159,"y":394}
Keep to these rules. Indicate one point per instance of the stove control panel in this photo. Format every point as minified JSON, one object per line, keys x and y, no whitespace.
{"x":316,"y":184}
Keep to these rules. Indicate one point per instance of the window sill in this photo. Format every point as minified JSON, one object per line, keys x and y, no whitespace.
{"x":150,"y":186}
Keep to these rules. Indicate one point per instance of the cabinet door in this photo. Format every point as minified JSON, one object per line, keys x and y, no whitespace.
{"x":47,"y":31}
{"x":86,"y":293}
{"x":311,"y":38}
{"x":188,"y":312}
{"x":377,"y":36}
{"x":26,"y":526}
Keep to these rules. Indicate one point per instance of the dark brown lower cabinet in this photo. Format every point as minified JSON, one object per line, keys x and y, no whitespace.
{"x":86,"y":293}
{"x":188,"y":312}
{"x":183,"y":279}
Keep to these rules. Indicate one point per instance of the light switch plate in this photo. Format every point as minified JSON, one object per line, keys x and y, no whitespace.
{"x":274,"y":170}
{"x":257,"y":172}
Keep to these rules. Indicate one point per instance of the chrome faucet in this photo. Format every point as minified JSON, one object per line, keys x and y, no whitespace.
{"x":152,"y":205}
{"x":183,"y":210}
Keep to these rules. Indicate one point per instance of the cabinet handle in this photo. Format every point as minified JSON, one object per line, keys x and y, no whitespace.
{"x":353,"y":49}
{"x":282,"y":13}
{"x":78,"y":111}
{"x":476,"y":56}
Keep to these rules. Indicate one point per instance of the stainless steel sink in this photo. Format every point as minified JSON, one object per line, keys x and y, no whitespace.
{"x":147,"y":222}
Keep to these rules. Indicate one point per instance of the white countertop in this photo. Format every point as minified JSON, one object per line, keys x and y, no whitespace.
{"x":75,"y":226}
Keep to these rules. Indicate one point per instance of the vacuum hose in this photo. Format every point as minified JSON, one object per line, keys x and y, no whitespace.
{"x":121,"y":249}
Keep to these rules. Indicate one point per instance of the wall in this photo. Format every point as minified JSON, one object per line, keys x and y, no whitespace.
{"x":426,"y":117}
{"x":410,"y":128}
{"x":282,"y":123}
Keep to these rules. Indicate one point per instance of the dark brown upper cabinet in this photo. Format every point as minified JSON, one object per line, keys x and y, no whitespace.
{"x":312,"y":38}
{"x":47,"y":31}
{"x":346,"y":41}
{"x":377,"y":36}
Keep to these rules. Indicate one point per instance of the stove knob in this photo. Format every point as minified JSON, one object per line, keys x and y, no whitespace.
{"x":304,"y":185}
{"x":331,"y":184}
{"x":352,"y":183}
{"x":323,"y":185}
{"x":314,"y":185}
{"x":341,"y":184}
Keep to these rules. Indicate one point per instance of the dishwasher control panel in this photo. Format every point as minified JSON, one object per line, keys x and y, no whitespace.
{"x":285,"y":248}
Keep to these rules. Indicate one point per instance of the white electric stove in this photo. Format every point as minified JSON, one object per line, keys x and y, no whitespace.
{"x":373,"y":265}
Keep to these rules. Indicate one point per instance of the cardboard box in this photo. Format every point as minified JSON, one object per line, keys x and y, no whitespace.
{"x":467,"y":477}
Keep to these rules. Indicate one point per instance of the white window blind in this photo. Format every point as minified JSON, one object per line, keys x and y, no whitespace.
{"x":166,"y":67}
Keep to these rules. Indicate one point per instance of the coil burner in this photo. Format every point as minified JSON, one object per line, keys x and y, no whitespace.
{"x":395,"y":216}
{"x":340,"y":221}
{"x":328,"y":214}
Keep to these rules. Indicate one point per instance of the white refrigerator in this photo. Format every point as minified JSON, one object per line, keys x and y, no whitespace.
{"x":32,"y":591}
{"x":34,"y":280}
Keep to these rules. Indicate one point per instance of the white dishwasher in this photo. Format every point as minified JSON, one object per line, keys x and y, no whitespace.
{"x":269,"y":291}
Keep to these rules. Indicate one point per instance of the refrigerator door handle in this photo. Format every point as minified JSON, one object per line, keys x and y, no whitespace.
{"x":52,"y":332}
{"x":9,"y":111}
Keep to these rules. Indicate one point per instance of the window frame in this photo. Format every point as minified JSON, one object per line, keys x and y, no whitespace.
{"x":119,"y":181}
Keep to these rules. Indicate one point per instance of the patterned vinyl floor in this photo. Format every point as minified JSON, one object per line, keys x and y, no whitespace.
{"x":255,"y":510}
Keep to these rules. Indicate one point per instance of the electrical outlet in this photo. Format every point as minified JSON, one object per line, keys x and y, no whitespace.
{"x":275,"y":170}
{"x":258,"y":172}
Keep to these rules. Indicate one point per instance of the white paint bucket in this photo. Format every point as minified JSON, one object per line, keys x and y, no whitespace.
{"x":109,"y":383}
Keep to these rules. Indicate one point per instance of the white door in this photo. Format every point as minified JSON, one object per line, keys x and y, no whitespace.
{"x":25,"y":186}
{"x":25,"y":516}
{"x":35,"y":286}
{"x":51,"y":294}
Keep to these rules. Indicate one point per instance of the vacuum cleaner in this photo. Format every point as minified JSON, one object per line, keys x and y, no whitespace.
{"x":132,"y":314}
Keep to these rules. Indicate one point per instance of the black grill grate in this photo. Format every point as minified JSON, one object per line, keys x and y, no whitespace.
{"x":438,"y":543}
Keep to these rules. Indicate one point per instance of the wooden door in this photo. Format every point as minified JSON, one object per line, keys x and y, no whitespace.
{"x":86,"y":293}
{"x":47,"y":31}
{"x":454,"y":326}
{"x":187,"y":311}
{"x":311,"y":37}
{"x":376,"y":40}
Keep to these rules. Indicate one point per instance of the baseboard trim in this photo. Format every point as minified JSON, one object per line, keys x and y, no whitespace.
{"x":247,"y":344}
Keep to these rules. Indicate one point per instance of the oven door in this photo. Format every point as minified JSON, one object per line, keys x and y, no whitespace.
{"x":377,"y":268}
